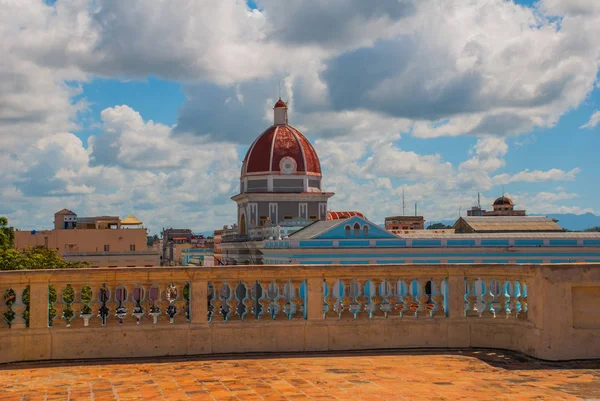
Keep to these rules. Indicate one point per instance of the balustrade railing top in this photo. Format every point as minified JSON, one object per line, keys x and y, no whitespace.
{"x":329,"y":307}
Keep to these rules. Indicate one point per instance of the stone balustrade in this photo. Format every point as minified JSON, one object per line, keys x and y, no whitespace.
{"x":547,"y":311}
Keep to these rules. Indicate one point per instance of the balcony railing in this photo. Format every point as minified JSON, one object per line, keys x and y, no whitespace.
{"x":547,"y":311}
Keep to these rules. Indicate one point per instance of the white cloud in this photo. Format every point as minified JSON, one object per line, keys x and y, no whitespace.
{"x":537,"y":176}
{"x":593,"y":121}
{"x":360,"y":76}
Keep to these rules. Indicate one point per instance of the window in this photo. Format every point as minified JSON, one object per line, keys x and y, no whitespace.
{"x":106,"y":248}
{"x":262,"y":220}
{"x":347,"y":231}
{"x":356,"y":229}
{"x":288,"y":217}
{"x":365,"y":230}
{"x":132,"y":247}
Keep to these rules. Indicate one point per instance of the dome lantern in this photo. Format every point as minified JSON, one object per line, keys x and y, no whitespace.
{"x":280,"y":113}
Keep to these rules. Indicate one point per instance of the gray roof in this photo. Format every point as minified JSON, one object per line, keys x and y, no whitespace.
{"x":510,"y":223}
{"x":316,"y":228}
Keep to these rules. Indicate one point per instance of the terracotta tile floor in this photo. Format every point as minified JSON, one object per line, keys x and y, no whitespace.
{"x":394,"y":375}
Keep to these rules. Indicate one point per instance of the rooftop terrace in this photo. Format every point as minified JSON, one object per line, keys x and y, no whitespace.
{"x":390,"y":375}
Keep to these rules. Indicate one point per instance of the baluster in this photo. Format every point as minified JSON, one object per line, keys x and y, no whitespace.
{"x":59,"y":318}
{"x":392,"y":297}
{"x":512,"y":302}
{"x":502,"y":299}
{"x":523,"y":315}
{"x":139,"y":309}
{"x":147,"y":303}
{"x":128,"y":303}
{"x":422,"y":298}
{"x":232,"y":303}
{"x":180,"y":304}
{"x":281,"y":301}
{"x":18,"y":307}
{"x":410,"y":306}
{"x":488,"y":299}
{"x":217,"y":303}
{"x":438,"y":299}
{"x":472,"y":298}
{"x":111,"y":304}
{"x":155,"y":309}
{"x":376,"y":299}
{"x":362,"y":300}
{"x":264,"y":302}
{"x":75,"y":306}
{"x":171,"y":294}
{"x":248,"y":302}
{"x":331,"y":300}
{"x":298,"y":300}
{"x":96,"y":307}
{"x":345,"y":311}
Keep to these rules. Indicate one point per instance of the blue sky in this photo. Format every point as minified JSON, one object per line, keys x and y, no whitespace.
{"x":151,"y":112}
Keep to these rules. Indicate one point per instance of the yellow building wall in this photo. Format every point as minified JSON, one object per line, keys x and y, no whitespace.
{"x":75,"y":241}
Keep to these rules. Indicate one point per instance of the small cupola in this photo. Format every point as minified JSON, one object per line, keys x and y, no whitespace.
{"x":280,"y":113}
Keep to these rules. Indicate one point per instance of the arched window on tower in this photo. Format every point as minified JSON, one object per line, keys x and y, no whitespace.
{"x":365,"y":230}
{"x":356,"y":229}
{"x":347,"y":231}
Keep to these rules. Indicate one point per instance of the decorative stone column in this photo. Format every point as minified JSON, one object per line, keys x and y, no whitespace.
{"x":38,"y":305}
{"x":315,"y":298}
{"x":18,"y":307}
{"x":198,"y":306}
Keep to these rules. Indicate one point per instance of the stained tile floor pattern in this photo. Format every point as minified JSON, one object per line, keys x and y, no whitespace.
{"x":388,"y":375}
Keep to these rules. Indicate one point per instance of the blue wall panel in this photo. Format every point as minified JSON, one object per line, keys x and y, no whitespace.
{"x":494,"y":242}
{"x":355,"y":243}
{"x":391,"y":242}
{"x":312,"y":244}
{"x":529,"y":242}
{"x":591,"y":242}
{"x":563,"y":242}
{"x":461,"y":261}
{"x":426,"y":242}
{"x":461,"y":242}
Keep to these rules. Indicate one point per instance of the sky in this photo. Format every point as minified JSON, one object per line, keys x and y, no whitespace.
{"x":148,"y":106}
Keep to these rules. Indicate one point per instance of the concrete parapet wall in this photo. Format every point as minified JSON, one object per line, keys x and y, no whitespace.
{"x":546,"y":311}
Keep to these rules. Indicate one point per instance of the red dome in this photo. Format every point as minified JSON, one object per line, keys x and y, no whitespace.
{"x":343,"y":215}
{"x":276,"y":143}
{"x":280,"y":103}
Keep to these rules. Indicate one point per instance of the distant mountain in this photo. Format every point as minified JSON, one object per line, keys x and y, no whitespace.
{"x":575,"y":222}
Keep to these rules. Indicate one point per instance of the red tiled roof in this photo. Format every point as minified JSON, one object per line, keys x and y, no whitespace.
{"x":280,"y":103}
{"x":343,"y":215}
{"x":277,"y":142}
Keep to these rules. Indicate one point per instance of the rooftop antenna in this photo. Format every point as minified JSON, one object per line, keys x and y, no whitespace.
{"x":503,"y":191}
{"x":402,"y":201}
{"x":478,"y":201}
{"x":415,"y":209}
{"x":280,"y":89}
{"x":459,"y":210}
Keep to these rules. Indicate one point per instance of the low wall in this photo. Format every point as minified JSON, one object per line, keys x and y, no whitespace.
{"x":546,"y":311}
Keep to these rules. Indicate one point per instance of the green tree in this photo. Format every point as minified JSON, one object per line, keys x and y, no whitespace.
{"x":592,"y":229}
{"x":6,"y":234}
{"x":438,"y":226}
{"x":34,"y":258}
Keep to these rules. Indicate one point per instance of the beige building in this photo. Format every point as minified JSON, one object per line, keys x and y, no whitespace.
{"x":505,"y":224}
{"x":104,"y":241}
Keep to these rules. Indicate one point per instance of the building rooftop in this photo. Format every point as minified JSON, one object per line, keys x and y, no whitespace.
{"x":508,"y":223}
{"x":316,"y":228}
{"x":392,"y":375}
